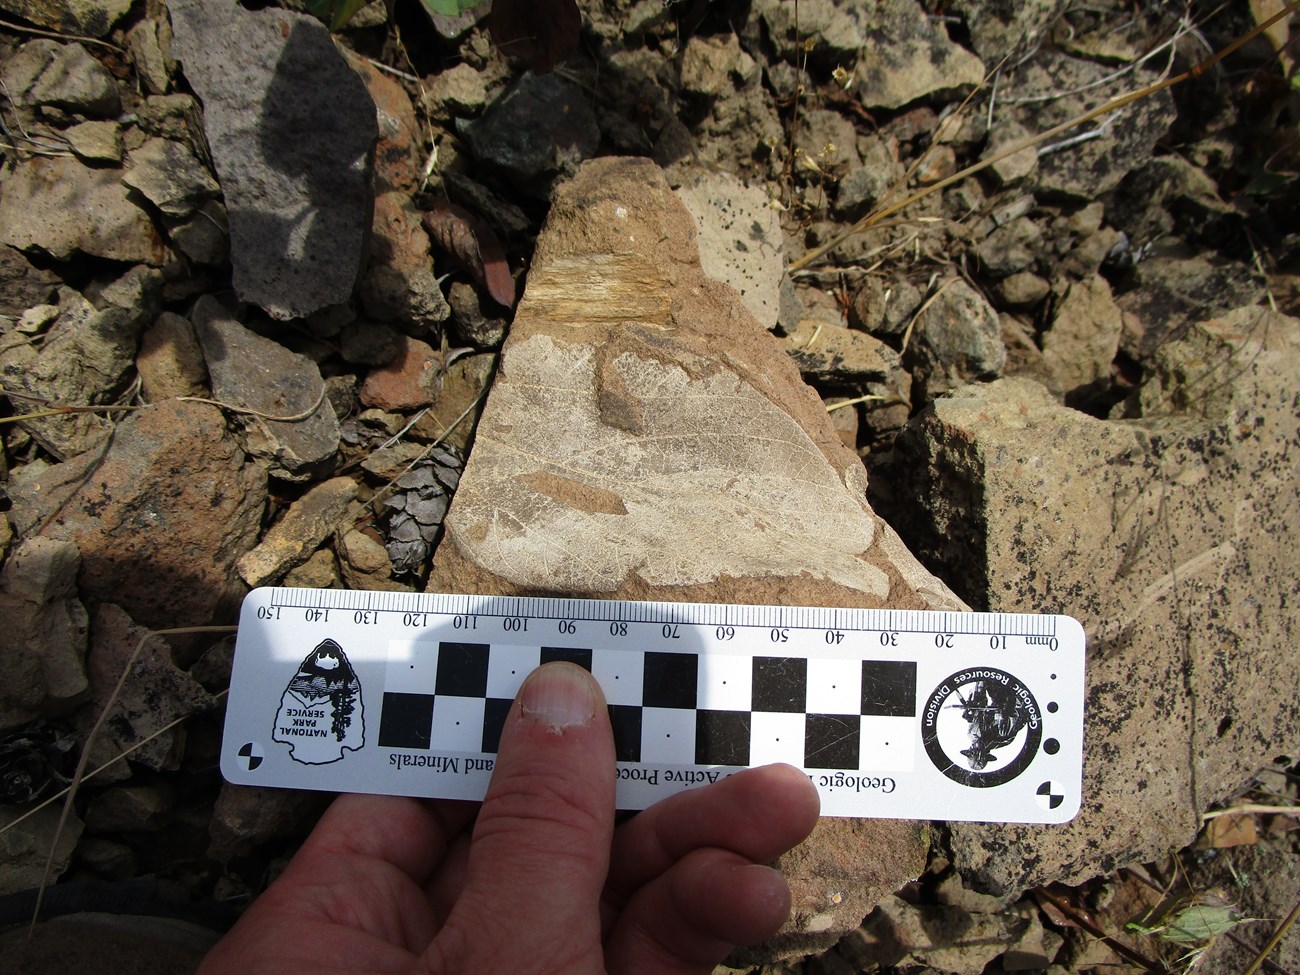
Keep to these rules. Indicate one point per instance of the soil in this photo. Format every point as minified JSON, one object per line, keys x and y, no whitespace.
{"x":1185,"y":206}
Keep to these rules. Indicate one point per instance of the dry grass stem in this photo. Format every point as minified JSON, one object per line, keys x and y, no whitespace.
{"x":1113,"y":105}
{"x":80,"y":773}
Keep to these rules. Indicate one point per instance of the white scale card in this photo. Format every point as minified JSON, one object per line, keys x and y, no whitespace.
{"x":891,"y":713}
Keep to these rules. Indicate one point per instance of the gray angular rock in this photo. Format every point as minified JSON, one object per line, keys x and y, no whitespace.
{"x":297,"y":190}
{"x":1011,"y":247}
{"x":43,"y":642}
{"x":1171,"y":291}
{"x":604,"y":434}
{"x":25,"y":848}
{"x":907,"y":57}
{"x":863,"y":186}
{"x":63,"y":76}
{"x":842,"y":357}
{"x":1172,"y":539}
{"x":22,"y":284}
{"x":365,"y":564}
{"x":84,"y":359}
{"x":59,"y":206}
{"x":740,"y":240}
{"x":955,"y":340}
{"x":156,"y":694}
{"x":170,"y":361}
{"x":1024,"y":289}
{"x":883,"y":308}
{"x":150,"y":43}
{"x":459,"y":90}
{"x":541,"y":129}
{"x":203,"y":238}
{"x":131,"y":808}
{"x":369,"y":343}
{"x":255,"y":373}
{"x":1000,"y":27}
{"x":1169,"y":197}
{"x":945,"y":939}
{"x":160,"y":514}
{"x":471,"y":322}
{"x":168,"y":175}
{"x":832,"y":34}
{"x":246,"y":816}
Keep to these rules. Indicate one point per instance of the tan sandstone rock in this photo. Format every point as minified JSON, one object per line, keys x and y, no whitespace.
{"x":646,"y":438}
{"x":1172,"y":538}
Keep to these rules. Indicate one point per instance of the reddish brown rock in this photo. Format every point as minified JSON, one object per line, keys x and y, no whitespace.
{"x":160,"y":514}
{"x":397,"y":154}
{"x":410,"y":381}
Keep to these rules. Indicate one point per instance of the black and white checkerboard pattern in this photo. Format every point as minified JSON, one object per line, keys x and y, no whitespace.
{"x":666,"y":708}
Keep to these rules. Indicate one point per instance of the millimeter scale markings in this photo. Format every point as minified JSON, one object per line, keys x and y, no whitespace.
{"x":891,"y":713}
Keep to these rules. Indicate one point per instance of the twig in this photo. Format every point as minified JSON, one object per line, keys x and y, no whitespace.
{"x":80,"y":772}
{"x":1251,"y":809}
{"x":380,"y":66}
{"x":1272,"y":942}
{"x":869,"y":398}
{"x":1114,"y":944}
{"x":295,"y":418}
{"x":62,"y":37}
{"x":1080,"y":137}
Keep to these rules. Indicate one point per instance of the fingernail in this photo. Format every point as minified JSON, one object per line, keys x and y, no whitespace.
{"x":558,"y":695}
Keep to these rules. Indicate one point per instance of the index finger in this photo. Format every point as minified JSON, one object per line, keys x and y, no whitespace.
{"x":759,"y":814}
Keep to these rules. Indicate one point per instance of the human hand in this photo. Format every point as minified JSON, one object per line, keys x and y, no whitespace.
{"x":541,"y":881}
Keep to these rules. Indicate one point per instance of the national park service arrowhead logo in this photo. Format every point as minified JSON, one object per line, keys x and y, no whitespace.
{"x":321,"y":713}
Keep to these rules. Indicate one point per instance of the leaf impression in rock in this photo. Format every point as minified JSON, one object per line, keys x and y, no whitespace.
{"x":594,"y":463}
{"x":474,"y":246}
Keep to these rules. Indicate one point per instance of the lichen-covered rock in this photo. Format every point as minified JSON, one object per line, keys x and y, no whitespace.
{"x":85,"y":358}
{"x":646,"y":438}
{"x":956,"y":339}
{"x":1172,"y":538}
{"x":739,"y":240}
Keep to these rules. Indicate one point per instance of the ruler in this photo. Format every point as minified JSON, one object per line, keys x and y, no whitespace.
{"x":897,"y":714}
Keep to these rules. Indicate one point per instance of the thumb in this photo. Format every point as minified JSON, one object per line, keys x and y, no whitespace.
{"x":540,"y":849}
